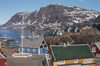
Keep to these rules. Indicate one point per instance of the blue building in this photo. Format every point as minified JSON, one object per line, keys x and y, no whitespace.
{"x":36,"y":46}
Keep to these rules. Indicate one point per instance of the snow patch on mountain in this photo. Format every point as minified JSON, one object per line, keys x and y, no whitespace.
{"x":53,"y":16}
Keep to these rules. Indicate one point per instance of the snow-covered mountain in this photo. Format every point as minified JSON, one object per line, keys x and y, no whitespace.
{"x":53,"y":17}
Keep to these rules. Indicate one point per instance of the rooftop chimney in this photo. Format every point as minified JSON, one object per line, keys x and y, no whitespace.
{"x":65,"y":45}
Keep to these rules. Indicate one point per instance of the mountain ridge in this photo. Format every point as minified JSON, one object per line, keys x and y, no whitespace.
{"x":53,"y":17}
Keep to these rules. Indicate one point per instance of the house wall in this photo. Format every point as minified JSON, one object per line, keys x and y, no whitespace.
{"x":89,"y":65}
{"x":2,"y":62}
{"x":43,"y":50}
{"x":29,"y":50}
{"x":72,"y":62}
{"x":75,"y":65}
{"x":34,"y":50}
{"x":3,"y":43}
{"x":93,"y":45}
{"x":55,"y":63}
{"x":79,"y":61}
{"x":10,"y":43}
{"x":97,"y":50}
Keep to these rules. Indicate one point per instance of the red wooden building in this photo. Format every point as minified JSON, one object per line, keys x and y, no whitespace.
{"x":2,"y":59}
{"x":95,"y":48}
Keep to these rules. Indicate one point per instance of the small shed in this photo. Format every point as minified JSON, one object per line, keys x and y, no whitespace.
{"x":36,"y":46}
{"x":11,"y":43}
{"x":2,"y":59}
{"x":95,"y":48}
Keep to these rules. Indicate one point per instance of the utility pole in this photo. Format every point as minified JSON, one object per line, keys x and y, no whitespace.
{"x":47,"y":59}
{"x":0,"y":44}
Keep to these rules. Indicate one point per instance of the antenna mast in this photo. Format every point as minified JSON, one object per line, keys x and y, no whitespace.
{"x":22,"y":36}
{"x":22,"y":54}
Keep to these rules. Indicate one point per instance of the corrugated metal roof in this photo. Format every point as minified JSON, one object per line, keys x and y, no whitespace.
{"x":97,"y":44}
{"x":71,"y":52}
{"x":2,"y":56}
{"x":36,"y":43}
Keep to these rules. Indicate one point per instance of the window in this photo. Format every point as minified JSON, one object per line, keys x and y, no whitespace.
{"x":33,"y":50}
{"x":85,"y":61}
{"x":93,"y":49}
{"x":28,"y":50}
{"x":90,"y":60}
{"x":45,"y":45}
{"x":76,"y":61}
{"x":11,"y":43}
{"x":61,"y":62}
{"x":24,"y":49}
{"x":41,"y":46}
{"x":43,"y":42}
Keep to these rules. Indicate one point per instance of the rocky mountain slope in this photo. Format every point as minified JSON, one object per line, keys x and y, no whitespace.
{"x":53,"y":17}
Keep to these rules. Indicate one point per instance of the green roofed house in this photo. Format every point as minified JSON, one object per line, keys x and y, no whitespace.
{"x":72,"y":55}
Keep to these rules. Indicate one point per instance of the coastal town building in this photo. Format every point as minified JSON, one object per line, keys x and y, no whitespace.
{"x":2,"y":59}
{"x":34,"y":46}
{"x":11,"y":43}
{"x":72,"y":55}
{"x":95,"y":48}
{"x":3,"y":38}
{"x":2,"y":44}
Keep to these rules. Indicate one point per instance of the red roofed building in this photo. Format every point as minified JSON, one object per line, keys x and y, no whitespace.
{"x":95,"y":48}
{"x":2,"y":59}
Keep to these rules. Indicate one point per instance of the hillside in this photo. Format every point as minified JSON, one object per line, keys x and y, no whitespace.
{"x":53,"y":17}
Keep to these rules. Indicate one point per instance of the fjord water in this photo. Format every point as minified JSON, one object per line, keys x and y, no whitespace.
{"x":13,"y":34}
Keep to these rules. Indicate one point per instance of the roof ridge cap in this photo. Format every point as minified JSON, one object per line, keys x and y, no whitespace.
{"x":71,"y":45}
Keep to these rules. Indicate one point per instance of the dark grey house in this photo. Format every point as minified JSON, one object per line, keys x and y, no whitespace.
{"x":11,"y":43}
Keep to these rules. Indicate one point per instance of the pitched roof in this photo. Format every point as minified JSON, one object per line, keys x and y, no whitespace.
{"x":36,"y":43}
{"x":71,"y":52}
{"x":1,"y":55}
{"x":97,"y":44}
